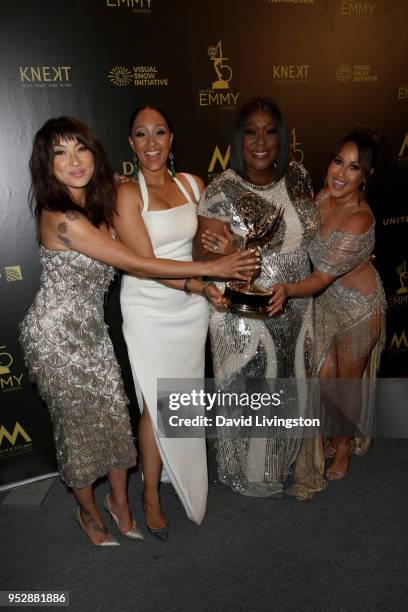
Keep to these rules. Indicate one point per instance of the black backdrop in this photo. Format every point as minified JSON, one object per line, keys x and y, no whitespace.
{"x":329,"y":63}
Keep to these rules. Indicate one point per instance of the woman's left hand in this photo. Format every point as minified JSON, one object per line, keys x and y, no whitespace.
{"x":238,"y":265}
{"x":215,"y":243}
{"x":279,"y":294}
{"x":214,"y":295}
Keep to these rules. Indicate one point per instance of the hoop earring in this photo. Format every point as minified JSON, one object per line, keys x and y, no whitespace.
{"x":136,"y":168}
{"x":171,"y":160}
{"x":362,"y":187}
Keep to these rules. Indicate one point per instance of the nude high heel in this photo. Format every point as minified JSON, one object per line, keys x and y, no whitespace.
{"x":134,"y":532}
{"x":109,"y":541}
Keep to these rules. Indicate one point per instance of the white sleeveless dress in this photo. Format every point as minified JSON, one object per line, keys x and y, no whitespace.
{"x":165,"y":332}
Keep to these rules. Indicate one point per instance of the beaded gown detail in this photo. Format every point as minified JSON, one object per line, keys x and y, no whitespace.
{"x":245,"y":348}
{"x":70,"y":357}
{"x":165,"y":332}
{"x":349,"y":324}
{"x":347,"y":311}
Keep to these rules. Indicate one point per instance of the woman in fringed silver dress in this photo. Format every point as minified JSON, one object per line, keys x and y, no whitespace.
{"x":247,"y":351}
{"x":349,"y":312}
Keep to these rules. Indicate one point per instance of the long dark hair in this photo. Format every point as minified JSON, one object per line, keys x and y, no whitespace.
{"x":370,"y":146}
{"x":48,"y":193}
{"x":269,"y":106}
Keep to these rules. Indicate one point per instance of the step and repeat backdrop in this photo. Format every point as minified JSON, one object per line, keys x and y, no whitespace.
{"x":330,"y":64}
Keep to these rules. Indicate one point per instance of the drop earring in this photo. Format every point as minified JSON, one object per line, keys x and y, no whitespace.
{"x":171,"y":160}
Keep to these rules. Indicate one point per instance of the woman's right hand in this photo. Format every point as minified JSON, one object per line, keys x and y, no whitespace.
{"x":214,"y":296}
{"x":121,"y":179}
{"x":238,"y":265}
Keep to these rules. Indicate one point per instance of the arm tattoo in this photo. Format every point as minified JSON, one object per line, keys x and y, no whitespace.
{"x":64,"y":240}
{"x":71,"y":215}
{"x":62,"y":227}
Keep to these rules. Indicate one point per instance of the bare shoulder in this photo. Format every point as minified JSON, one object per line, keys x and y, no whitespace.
{"x":131,"y":187}
{"x":128,"y":194}
{"x":322,"y":195}
{"x":183,"y":177}
{"x":198,"y":180}
{"x":200,"y":183}
{"x":358,"y":223}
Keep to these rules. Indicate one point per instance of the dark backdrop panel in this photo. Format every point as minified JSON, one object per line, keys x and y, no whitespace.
{"x":330,"y":65}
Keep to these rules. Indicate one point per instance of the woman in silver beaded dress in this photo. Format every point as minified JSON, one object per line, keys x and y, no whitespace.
{"x":64,"y":338}
{"x":349,"y":310}
{"x":256,"y":349}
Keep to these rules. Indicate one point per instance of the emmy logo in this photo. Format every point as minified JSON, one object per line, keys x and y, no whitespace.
{"x":223,"y":71}
{"x":403,"y":276}
{"x":5,"y":361}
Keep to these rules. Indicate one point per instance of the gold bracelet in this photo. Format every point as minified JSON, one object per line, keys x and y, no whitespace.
{"x":186,"y":287}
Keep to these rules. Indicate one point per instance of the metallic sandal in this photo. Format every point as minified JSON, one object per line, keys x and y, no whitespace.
{"x":336,"y":474}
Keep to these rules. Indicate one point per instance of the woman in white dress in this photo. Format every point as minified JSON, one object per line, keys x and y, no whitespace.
{"x":164,"y":322}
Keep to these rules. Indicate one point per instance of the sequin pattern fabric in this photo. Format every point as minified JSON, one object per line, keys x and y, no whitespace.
{"x":246,"y":348}
{"x":70,"y":357}
{"x":346,"y":313}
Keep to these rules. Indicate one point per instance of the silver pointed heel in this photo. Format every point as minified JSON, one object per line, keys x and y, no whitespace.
{"x":109,"y":541}
{"x":160,"y":533}
{"x":134,"y":532}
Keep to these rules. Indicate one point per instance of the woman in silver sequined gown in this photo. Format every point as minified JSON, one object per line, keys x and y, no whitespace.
{"x":64,"y":338}
{"x":254,"y":349}
{"x":349,"y":311}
